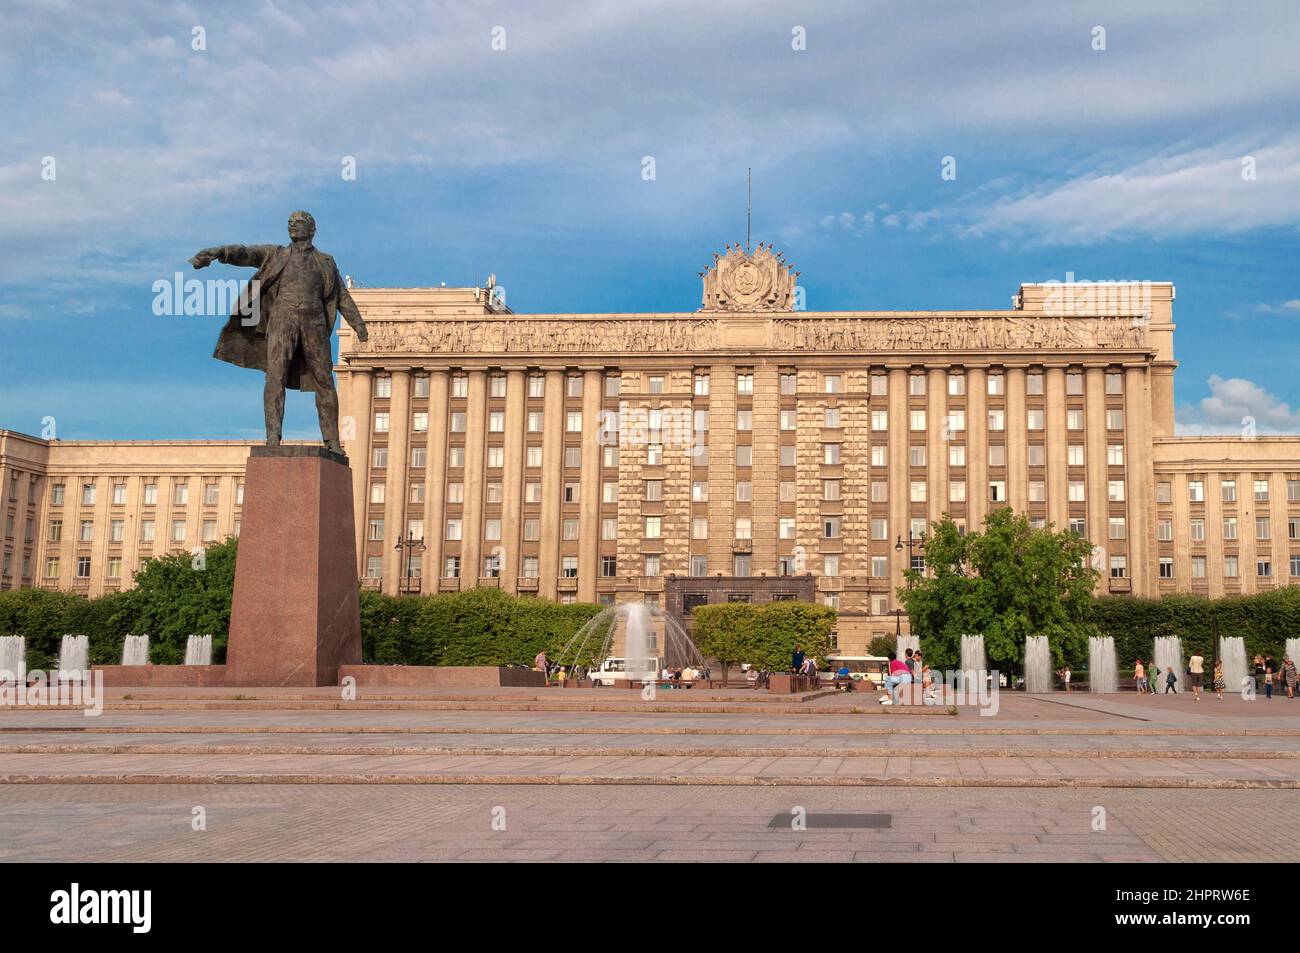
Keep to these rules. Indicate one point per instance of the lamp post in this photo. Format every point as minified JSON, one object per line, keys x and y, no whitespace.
{"x":414,"y":546}
{"x":912,"y":542}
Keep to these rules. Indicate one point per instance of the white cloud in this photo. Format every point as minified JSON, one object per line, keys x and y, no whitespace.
{"x":1180,"y":193}
{"x":1286,"y":307}
{"x":1233,"y":406}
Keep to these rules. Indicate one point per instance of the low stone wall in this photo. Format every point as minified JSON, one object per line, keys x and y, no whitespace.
{"x":442,"y":676}
{"x":163,"y":676}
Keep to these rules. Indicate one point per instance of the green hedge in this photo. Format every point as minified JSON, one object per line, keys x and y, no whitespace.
{"x":173,"y":599}
{"x":1265,"y":620}
{"x":763,"y":634}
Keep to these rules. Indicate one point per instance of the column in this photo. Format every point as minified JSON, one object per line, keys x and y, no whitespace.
{"x":589,"y":521}
{"x":722,"y":467}
{"x":1094,"y":452}
{"x":435,"y":479}
{"x":548,"y":560}
{"x":131,"y":532}
{"x":1213,"y":512}
{"x":512,"y":489}
{"x":936,"y":452}
{"x":1247,"y":510}
{"x":977,"y":448}
{"x":1137,"y":465}
{"x":355,"y":430}
{"x":899,"y":491}
{"x":765,"y":474}
{"x":471,"y":549}
{"x":1057,"y":455}
{"x":399,"y":442}
{"x":1017,"y":436}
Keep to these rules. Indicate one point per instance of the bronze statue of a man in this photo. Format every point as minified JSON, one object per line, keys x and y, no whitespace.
{"x":283,"y":322}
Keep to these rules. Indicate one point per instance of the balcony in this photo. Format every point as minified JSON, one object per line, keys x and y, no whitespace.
{"x":489,"y":582}
{"x":742,"y":545}
{"x":371,"y":583}
{"x":830,"y":584}
{"x":449,"y":584}
{"x":567,"y":584}
{"x":527,"y":584}
{"x":410,"y":586}
{"x":1121,"y":584}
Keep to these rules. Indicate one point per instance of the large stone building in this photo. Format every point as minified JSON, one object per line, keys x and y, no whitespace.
{"x":594,"y":456}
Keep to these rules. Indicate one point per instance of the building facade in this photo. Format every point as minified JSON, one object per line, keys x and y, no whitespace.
{"x":594,"y":457}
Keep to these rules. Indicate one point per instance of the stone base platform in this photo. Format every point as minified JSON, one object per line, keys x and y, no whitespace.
{"x":163,"y":676}
{"x":442,"y":676}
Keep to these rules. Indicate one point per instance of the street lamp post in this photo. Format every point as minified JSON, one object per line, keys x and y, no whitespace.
{"x":414,"y":546}
{"x":912,"y":542}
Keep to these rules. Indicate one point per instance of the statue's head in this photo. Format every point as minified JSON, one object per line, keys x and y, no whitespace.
{"x":301,"y":226}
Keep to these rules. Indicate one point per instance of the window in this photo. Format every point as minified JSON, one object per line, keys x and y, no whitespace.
{"x":744,"y":528}
{"x":786,"y":455}
{"x":1264,"y":568}
{"x":879,"y":384}
{"x":785,"y":491}
{"x":417,"y":492}
{"x":1195,"y":491}
{"x":917,"y":420}
{"x":744,"y":491}
{"x":830,"y":453}
{"x":1115,"y":454}
{"x":997,"y":385}
{"x":880,"y":529}
{"x":496,"y":457}
{"x":1165,"y":531}
{"x":572,"y":493}
{"x":745,"y":383}
{"x":88,"y":494}
{"x":997,"y":420}
{"x":789,"y":384}
{"x":56,"y":531}
{"x":916,"y":455}
{"x":1166,"y":567}
{"x":1074,"y":421}
{"x":1037,"y":491}
{"x":1114,"y":382}
{"x":531,"y":567}
{"x":119,"y":494}
{"x":744,"y":456}
{"x":1198,"y":530}
{"x":831,"y":383}
{"x":786,"y":527}
{"x":956,"y":421}
{"x":609,"y":528}
{"x":1261,"y":491}
{"x":832,"y":418}
{"x":1117,"y":528}
{"x":831,"y":527}
{"x":744,"y":420}
{"x":83,"y":567}
{"x":535,"y":421}
{"x":1115,"y":491}
{"x":651,"y":566}
{"x":789,"y":420}
{"x":654,"y":527}
{"x":87,"y":534}
{"x":381,"y":422}
{"x":741,"y":565}
{"x":1198,"y":567}
{"x":496,"y":421}
{"x":1114,"y":420}
{"x":1074,"y":384}
{"x":456,"y":457}
{"x":56,"y":494}
{"x":573,"y":420}
{"x":1263,"y":527}
{"x":879,"y":566}
{"x":178,"y":531}
{"x":532,"y":531}
{"x":421,"y":385}
{"x":181,"y":494}
{"x":146,"y":531}
{"x":1034,"y":419}
{"x":917,"y":493}
{"x":609,"y":455}
{"x":699,"y":492}
{"x":957,"y":491}
{"x":1163,"y":492}
{"x":1230,"y":567}
{"x":451,"y":567}
{"x":1229,"y":490}
{"x":654,"y":454}
{"x":379,"y":459}
{"x":608,"y":566}
{"x":1230,"y":527}
{"x":656,"y":384}
{"x":997,"y":491}
{"x":830,"y":490}
{"x":456,"y":492}
{"x":699,"y":566}
{"x":209,"y":531}
{"x":880,"y":420}
{"x":534,"y":456}
{"x":460,"y":386}
{"x":956,"y":385}
{"x":879,"y":456}
{"x":454,"y":530}
{"x":383,"y":386}
{"x":1037,"y":455}
{"x":1118,"y":567}
{"x":700,"y":527}
{"x":536,"y":386}
{"x":831,"y":565}
{"x":701,"y":385}
{"x":569,"y":529}
{"x":1075,"y":455}
{"x":997,"y":455}
{"x":117,"y":530}
{"x":573,"y":386}
{"x":458,"y":419}
{"x":957,"y":455}
{"x":1034,"y":384}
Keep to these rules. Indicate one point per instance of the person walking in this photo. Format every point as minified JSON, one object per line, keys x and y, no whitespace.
{"x":1257,"y":670}
{"x":1289,"y":676}
{"x":1065,"y":677}
{"x":1139,"y":676}
{"x":1219,"y":682}
{"x":1196,"y":670}
{"x":1171,"y":677}
{"x":1267,"y":675}
{"x":1153,"y":680}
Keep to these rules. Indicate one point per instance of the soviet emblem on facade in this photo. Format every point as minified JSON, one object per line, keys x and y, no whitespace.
{"x":749,"y":281}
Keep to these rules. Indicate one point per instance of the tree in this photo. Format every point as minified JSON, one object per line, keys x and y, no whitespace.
{"x":764,"y":634}
{"x":1006,"y":582}
{"x":177,"y":596}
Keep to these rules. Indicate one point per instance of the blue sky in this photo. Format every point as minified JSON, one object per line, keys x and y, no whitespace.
{"x":526,"y":162}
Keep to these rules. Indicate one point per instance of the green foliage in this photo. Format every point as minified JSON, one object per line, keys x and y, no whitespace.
{"x":173,"y":600}
{"x":1265,"y":620}
{"x":764,"y":634}
{"x":882,"y":645}
{"x":1005,"y":582}
{"x":483,"y":626}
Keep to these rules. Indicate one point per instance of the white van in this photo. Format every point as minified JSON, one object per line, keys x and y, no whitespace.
{"x":613,"y":670}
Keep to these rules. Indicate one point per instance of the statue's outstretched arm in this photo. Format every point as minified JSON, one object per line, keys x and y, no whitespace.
{"x":348,"y":308}
{"x":246,"y":256}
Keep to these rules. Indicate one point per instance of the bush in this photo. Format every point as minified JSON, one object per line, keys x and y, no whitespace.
{"x":764,"y":634}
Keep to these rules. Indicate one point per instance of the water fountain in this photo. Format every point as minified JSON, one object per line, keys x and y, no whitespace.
{"x":906,"y":642}
{"x":1103,"y":672}
{"x":74,"y":658}
{"x":1292,"y":652}
{"x":1038,"y":665}
{"x":631,"y":631}
{"x":1232,"y":653}
{"x":1168,"y":655}
{"x":973,"y":660}
{"x":198,"y":650}
{"x":135,"y":650}
{"x":13,"y":657}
